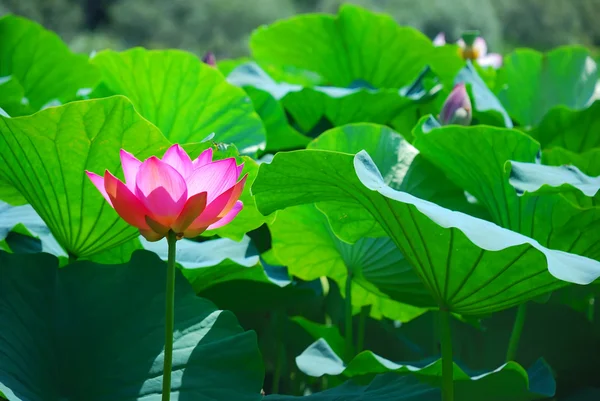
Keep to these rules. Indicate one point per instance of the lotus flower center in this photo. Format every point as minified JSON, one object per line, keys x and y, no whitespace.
{"x":470,"y":53}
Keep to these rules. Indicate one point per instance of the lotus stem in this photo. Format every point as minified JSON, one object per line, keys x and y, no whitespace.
{"x":169,"y":318}
{"x":590,"y":309}
{"x":515,"y":335}
{"x":447,"y":362}
{"x":280,"y":321}
{"x":348,"y":317}
{"x":364,"y":314}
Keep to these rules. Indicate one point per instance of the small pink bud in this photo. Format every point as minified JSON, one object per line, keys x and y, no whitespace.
{"x":174,"y":193}
{"x":210,"y":59}
{"x":457,"y":107}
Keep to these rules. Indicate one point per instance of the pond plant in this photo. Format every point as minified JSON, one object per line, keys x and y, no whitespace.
{"x":354,"y":212}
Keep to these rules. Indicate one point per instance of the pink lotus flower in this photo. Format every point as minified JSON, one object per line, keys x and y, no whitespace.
{"x":476,"y":52}
{"x":457,"y":107}
{"x":175,"y":193}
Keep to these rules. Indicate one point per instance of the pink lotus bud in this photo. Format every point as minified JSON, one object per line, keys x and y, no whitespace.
{"x":175,"y":193}
{"x":210,"y":59}
{"x":457,"y":107}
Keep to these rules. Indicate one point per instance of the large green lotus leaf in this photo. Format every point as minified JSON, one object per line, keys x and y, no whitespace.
{"x":46,"y":157}
{"x":384,"y":387}
{"x":402,"y":167}
{"x":43,"y":69}
{"x":531,"y":83}
{"x":310,"y":104}
{"x":96,"y":332}
{"x":185,"y":98}
{"x":475,"y":158}
{"x":469,"y":265}
{"x":574,"y":130}
{"x":354,"y":45}
{"x":11,"y":195}
{"x":305,"y":243}
{"x":508,"y":382}
{"x":118,"y":254}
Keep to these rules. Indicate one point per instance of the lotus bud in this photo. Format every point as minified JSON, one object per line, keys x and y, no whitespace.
{"x":457,"y":107}
{"x":210,"y":59}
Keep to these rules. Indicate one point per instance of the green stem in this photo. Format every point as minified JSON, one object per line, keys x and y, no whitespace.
{"x":590,"y":309}
{"x":515,"y":335}
{"x":447,"y":363}
{"x":362,"y":322}
{"x":169,"y":318}
{"x":348,"y":317}
{"x":280,"y":320}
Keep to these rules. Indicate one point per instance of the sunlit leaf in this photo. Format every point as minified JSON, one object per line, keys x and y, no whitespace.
{"x":39,"y":67}
{"x":469,"y":265}
{"x":303,"y":241}
{"x":531,"y":83}
{"x":185,"y":98}
{"x":573,"y":130}
{"x":49,"y":153}
{"x":479,"y":158}
{"x":355,"y":44}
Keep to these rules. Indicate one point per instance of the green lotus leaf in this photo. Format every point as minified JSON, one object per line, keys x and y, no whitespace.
{"x":308,"y":105}
{"x":249,"y":218}
{"x":185,"y":98}
{"x":574,"y":130}
{"x":38,"y":69}
{"x":280,"y":134}
{"x":49,"y":153}
{"x":381,"y":277}
{"x":531,"y":83}
{"x":402,"y":167}
{"x":72,"y":330}
{"x":11,"y":195}
{"x":588,"y":162}
{"x":469,"y":265}
{"x":354,"y":45}
{"x":479,"y":159}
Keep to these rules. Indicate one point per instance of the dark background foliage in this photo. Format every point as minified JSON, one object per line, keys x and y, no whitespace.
{"x":223,"y":26}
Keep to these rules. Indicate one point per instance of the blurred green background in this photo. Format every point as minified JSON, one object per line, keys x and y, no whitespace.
{"x":223,"y":26}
